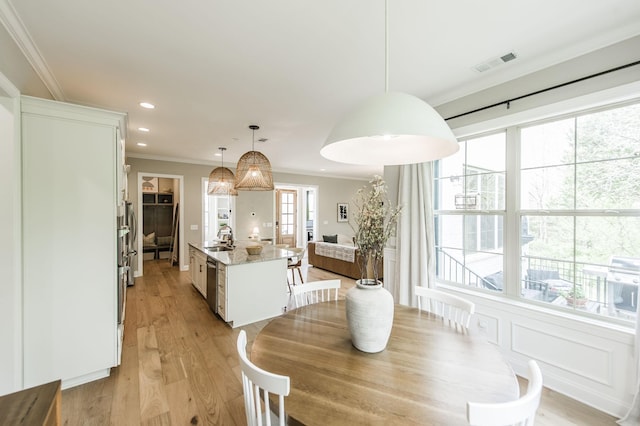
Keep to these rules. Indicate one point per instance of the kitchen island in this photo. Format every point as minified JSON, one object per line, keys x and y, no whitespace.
{"x":243,"y":288}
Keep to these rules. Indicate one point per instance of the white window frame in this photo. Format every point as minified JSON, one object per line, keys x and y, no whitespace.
{"x":607,"y":99}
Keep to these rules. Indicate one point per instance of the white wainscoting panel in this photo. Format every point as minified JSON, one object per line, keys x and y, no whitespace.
{"x":585,"y":359}
{"x":568,"y":353}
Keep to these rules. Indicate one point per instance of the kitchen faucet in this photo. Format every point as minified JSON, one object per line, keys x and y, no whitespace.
{"x":226,"y":234}
{"x":230,"y":240}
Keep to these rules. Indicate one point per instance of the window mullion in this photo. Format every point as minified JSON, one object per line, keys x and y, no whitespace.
{"x":512,"y":226}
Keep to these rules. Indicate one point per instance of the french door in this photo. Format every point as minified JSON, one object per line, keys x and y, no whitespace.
{"x":286,"y":216}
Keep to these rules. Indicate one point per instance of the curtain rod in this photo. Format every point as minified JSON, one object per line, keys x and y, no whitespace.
{"x":537,"y":92}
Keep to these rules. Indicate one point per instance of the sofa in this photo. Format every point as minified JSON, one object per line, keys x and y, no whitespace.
{"x":320,"y":255}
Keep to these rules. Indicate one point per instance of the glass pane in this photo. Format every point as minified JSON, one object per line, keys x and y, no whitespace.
{"x":548,"y":188}
{"x":484,"y":270}
{"x":551,"y":239}
{"x":608,"y":184}
{"x":599,"y":239}
{"x":547,"y":257}
{"x":609,"y":134}
{"x":608,"y":262}
{"x":491,"y":191}
{"x":449,"y":231}
{"x":483,"y":233}
{"x":450,"y":265}
{"x":486,"y":154}
{"x":547,"y":144}
{"x":446,"y":190}
{"x":490,"y":232}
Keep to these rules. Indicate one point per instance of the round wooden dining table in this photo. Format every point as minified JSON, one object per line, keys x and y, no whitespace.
{"x":426,"y":374}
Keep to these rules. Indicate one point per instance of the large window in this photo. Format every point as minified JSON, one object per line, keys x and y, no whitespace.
{"x":575,"y":202}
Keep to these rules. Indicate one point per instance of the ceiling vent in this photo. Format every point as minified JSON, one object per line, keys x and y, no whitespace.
{"x":495,"y":62}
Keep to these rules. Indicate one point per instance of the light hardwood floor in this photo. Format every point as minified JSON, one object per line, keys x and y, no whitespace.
{"x":179,"y":364}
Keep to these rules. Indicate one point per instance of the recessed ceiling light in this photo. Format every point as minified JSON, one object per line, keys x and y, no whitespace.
{"x":141,"y":144}
{"x":217,"y":154}
{"x":143,"y":129}
{"x":323,"y":170}
{"x":147,"y":105}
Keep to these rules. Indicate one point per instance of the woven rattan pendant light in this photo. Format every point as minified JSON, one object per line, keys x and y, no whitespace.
{"x":221,"y":179}
{"x":253,"y":172}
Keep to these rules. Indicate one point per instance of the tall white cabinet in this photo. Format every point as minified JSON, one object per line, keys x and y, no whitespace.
{"x":72,"y":192}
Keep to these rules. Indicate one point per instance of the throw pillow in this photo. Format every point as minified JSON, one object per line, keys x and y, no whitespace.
{"x":149,"y":240}
{"x":330,"y":238}
{"x":164,"y":241}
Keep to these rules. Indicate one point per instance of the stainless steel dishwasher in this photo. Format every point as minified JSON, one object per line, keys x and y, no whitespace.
{"x":212,"y":285}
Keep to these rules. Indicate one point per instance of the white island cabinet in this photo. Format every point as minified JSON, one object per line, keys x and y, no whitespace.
{"x":72,"y":192}
{"x":248,"y":288}
{"x":251,"y":292}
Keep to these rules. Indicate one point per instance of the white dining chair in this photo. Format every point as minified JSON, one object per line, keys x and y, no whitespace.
{"x":446,"y":305}
{"x":519,"y":412}
{"x":257,"y":384}
{"x":315,"y":291}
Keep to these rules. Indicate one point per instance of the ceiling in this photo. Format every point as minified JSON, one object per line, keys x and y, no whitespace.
{"x":293,"y":67}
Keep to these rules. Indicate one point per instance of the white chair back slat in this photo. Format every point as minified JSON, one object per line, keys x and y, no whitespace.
{"x":257,"y":384}
{"x":520,"y":412}
{"x":448,"y":306}
{"x":315,"y":292}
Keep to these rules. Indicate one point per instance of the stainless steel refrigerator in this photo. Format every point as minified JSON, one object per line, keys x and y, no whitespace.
{"x":126,"y":252}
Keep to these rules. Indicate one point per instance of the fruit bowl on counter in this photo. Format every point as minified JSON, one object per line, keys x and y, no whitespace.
{"x":254,"y":249}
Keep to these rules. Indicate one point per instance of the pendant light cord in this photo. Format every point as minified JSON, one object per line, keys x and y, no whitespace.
{"x":386,"y":46}
{"x":253,"y":144}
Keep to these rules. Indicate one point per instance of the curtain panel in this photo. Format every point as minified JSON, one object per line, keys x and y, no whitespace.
{"x":415,"y":242}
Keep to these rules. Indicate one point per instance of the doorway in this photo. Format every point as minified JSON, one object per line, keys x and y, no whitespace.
{"x":296,"y":214}
{"x":286,"y":217}
{"x":160,"y":209}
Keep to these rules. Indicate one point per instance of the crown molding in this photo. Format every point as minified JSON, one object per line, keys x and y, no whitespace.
{"x":8,"y":87}
{"x":15,"y":27}
{"x":156,"y":157}
{"x":216,"y":164}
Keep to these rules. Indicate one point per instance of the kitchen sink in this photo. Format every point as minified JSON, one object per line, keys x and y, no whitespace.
{"x":219,"y":248}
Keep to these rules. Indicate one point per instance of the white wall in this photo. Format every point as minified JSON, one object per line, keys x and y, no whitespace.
{"x":601,"y":60}
{"x":331,"y":191}
{"x":10,"y":251}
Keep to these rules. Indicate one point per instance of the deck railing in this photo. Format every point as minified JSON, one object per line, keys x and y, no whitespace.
{"x":591,"y":278}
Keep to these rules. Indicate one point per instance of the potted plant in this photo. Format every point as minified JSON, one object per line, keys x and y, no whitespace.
{"x":374,"y":222}
{"x":575,"y":296}
{"x":369,"y":305}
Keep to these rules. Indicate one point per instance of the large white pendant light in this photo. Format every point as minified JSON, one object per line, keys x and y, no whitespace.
{"x":390,"y":128}
{"x":253,"y":172}
{"x":221,"y":179}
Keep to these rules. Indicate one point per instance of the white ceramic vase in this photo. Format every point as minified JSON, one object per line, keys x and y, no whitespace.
{"x":369,"y":315}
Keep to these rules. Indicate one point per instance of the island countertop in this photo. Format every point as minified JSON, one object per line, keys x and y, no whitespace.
{"x":239,"y":256}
